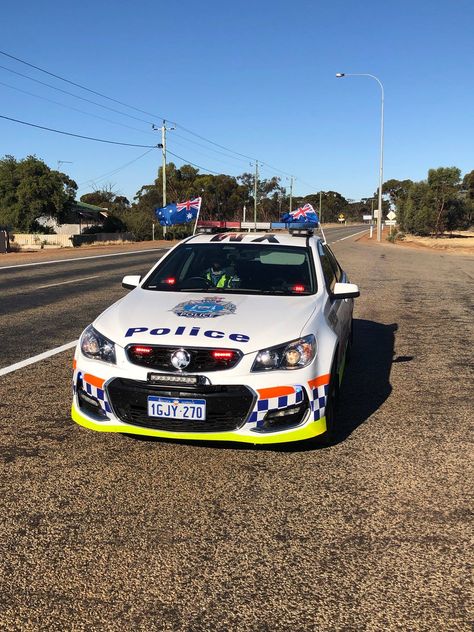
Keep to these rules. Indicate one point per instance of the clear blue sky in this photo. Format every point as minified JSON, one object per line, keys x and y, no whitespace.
{"x":257,"y":77}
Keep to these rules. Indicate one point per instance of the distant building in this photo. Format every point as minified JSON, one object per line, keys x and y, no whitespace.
{"x":79,"y":216}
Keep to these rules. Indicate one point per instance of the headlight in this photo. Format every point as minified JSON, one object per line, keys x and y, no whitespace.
{"x":96,"y":346}
{"x":291,"y":355}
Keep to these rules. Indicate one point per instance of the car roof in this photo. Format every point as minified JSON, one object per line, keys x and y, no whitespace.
{"x":262,"y":238}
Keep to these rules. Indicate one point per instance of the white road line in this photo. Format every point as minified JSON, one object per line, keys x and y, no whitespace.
{"x":37,"y":358}
{"x":353,"y":235}
{"x":42,"y":287}
{"x":113,"y":254}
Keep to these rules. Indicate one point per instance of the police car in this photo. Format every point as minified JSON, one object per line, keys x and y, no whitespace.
{"x":231,"y":336}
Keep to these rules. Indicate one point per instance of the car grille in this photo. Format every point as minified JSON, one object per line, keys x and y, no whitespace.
{"x":227,"y":407}
{"x":200,"y":359}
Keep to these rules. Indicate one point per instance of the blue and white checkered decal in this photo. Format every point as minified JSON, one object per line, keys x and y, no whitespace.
{"x":318,"y":403}
{"x":262,"y":406}
{"x":94,"y":391}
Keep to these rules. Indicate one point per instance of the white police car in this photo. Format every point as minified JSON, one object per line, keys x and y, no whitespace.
{"x":229,"y":337}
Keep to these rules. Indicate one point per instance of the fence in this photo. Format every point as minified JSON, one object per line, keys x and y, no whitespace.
{"x":25,"y":239}
{"x":67,"y":241}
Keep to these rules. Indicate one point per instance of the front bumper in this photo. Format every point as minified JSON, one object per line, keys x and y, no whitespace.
{"x":240,"y":413}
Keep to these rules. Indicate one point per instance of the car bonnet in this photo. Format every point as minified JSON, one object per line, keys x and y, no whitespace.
{"x":245,"y":322}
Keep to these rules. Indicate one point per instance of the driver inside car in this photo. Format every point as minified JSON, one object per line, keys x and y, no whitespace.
{"x":220,"y":277}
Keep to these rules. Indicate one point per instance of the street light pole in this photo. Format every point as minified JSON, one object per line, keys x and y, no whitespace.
{"x":379,"y":214}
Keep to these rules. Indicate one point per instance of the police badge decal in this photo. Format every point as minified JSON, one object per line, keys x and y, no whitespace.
{"x":205,"y":308}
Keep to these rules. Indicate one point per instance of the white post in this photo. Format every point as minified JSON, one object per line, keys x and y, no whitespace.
{"x":153,"y":231}
{"x":197,"y":219}
{"x":291,"y":194}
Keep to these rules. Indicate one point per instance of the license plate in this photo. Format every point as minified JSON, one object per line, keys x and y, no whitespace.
{"x":169,"y":408}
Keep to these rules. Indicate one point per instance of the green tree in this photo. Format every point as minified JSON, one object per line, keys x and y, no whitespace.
{"x":29,"y":189}
{"x":396,"y":189}
{"x":444,"y":185}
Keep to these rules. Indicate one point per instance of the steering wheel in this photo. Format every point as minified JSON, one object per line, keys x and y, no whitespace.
{"x":197,"y":281}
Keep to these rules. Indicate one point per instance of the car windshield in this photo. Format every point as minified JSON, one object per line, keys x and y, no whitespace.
{"x":229,"y":268}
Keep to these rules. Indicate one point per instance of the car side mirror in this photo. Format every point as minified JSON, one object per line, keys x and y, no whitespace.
{"x":131,"y":281}
{"x":345,"y":290}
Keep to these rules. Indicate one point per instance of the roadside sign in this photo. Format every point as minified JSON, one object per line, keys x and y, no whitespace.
{"x":376,"y":213}
{"x":341,"y":218}
{"x":391,"y":215}
{"x":366,"y":218}
{"x":390,"y":222}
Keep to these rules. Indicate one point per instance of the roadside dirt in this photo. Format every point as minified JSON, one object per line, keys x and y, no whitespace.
{"x":462,"y":245}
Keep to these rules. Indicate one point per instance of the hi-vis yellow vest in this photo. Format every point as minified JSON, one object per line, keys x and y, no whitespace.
{"x":223,"y":281}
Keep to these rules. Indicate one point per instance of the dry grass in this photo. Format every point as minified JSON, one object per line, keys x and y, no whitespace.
{"x":460,"y":241}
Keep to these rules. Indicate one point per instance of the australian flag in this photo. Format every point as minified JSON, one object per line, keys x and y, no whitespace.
{"x":305,"y":213}
{"x":180,"y":213}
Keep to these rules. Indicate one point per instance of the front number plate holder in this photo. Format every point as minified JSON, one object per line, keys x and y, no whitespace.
{"x":177,"y":408}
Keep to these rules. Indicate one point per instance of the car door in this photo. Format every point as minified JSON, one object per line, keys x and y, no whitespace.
{"x":337,"y":311}
{"x":347,"y":304}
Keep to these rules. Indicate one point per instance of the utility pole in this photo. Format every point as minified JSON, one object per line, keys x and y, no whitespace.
{"x":164,"y":129}
{"x":320,"y":209}
{"x":291,"y":194}
{"x":255,"y":196}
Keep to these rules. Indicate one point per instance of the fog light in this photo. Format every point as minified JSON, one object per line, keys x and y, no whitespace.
{"x":284,"y":418}
{"x":89,"y":404}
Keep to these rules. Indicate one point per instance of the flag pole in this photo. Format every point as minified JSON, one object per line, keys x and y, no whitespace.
{"x":197,"y":216}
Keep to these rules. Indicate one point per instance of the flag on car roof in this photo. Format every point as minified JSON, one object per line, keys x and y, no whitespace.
{"x":304,"y":213}
{"x":179,"y":213}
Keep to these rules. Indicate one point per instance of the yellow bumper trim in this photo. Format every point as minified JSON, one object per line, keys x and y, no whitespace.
{"x":298,"y":434}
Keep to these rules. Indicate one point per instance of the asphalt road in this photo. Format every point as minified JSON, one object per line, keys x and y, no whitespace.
{"x":110,"y":532}
{"x":43,"y":306}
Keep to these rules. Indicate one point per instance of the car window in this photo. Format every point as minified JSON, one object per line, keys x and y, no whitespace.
{"x":335,"y":265}
{"x":327,"y":266}
{"x":243,"y":268}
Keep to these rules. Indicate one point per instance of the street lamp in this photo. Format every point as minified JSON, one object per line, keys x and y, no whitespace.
{"x":379,"y":214}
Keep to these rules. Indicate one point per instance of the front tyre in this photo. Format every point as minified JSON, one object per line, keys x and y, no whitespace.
{"x":329,"y":436}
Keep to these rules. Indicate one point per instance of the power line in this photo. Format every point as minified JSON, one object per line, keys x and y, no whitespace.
{"x":188,"y":162}
{"x":200,"y":152}
{"x":76,"y":96}
{"x":104,"y":96}
{"x":102,"y":140}
{"x":114,"y":171}
{"x":221,"y":153}
{"x":70,"y":107}
{"x":212,"y":142}
{"x":78,"y":85}
{"x":285,"y":173}
{"x":57,"y":131}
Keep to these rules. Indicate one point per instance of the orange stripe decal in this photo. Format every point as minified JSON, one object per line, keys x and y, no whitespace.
{"x":276,"y":391}
{"x":319,"y":381}
{"x":95,"y":381}
{"x":74,"y":363}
